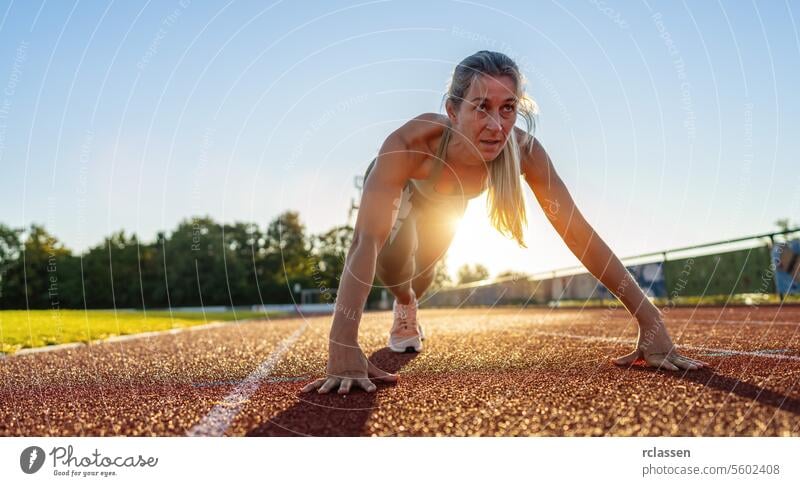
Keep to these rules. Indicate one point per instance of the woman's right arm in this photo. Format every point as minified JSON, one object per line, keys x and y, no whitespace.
{"x":347,"y":364}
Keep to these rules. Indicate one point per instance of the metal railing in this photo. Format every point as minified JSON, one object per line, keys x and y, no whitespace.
{"x":580,"y":269}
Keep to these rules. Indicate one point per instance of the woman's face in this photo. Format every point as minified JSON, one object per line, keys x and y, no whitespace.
{"x":486,"y":116}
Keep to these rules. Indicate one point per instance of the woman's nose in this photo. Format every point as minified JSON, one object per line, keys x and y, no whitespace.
{"x":494,"y":122}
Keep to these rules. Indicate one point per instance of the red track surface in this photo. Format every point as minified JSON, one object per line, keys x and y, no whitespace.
{"x":483,"y":372}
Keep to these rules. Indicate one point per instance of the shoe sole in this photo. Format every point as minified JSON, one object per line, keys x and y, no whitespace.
{"x":414,"y":348}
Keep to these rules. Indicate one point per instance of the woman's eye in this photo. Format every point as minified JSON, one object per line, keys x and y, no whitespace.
{"x":509,"y":108}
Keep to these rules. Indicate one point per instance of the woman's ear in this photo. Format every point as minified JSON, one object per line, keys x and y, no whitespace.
{"x":451,"y":112}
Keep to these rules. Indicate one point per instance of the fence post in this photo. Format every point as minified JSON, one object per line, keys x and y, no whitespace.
{"x":666,"y":282}
{"x":774,"y":268}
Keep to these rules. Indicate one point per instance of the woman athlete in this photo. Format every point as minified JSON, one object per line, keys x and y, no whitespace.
{"x":421,"y":180}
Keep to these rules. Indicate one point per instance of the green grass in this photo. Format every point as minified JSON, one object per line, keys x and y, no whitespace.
{"x":32,"y":329}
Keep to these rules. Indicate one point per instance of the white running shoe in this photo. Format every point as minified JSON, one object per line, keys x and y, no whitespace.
{"x":406,"y":334}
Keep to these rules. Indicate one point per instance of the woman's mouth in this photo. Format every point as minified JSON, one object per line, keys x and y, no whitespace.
{"x":490,"y":143}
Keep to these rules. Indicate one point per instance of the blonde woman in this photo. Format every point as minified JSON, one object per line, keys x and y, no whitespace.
{"x":424,"y":175}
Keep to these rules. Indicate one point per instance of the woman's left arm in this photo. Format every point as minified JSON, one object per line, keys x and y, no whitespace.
{"x":654,"y":344}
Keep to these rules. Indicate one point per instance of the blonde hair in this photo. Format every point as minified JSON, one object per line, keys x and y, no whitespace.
{"x":505,"y":201}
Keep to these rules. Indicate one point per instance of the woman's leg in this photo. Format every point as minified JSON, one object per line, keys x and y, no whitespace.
{"x":395,"y":266}
{"x":435,"y":232}
{"x":408,"y":260}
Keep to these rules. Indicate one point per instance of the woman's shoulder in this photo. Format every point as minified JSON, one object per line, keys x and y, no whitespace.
{"x":420,"y":136}
{"x":422,"y":131}
{"x":534,"y":161}
{"x":526,"y":141}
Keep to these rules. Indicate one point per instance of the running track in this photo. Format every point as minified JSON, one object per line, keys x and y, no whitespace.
{"x":483,"y":372}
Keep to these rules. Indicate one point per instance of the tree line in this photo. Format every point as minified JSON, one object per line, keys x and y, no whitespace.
{"x":201,"y":262}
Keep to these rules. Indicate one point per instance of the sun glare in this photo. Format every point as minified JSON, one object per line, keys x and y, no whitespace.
{"x":476,"y":241}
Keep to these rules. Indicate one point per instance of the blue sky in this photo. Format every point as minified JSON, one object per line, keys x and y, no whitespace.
{"x":672,"y":123}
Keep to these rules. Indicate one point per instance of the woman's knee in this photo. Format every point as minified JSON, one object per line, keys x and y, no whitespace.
{"x":392,"y":271}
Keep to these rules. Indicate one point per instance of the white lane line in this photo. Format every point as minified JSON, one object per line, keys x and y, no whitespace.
{"x":767,"y":353}
{"x":674,"y":320}
{"x":219,"y":419}
{"x":743,"y":321}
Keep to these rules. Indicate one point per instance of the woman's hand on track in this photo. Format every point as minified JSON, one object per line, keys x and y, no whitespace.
{"x":655,"y":347}
{"x":348,"y":367}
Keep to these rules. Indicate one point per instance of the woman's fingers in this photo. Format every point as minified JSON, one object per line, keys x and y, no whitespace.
{"x":683,"y":363}
{"x":628,"y":358}
{"x":669,"y":361}
{"x":667,"y":365}
{"x":328,"y":385}
{"x":660,"y":360}
{"x":695,"y":362}
{"x":313,"y":385}
{"x":366,"y":385}
{"x":344,"y":386}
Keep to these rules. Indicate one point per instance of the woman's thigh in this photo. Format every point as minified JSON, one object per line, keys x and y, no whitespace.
{"x":399,"y":248}
{"x":397,"y":253}
{"x":420,"y":236}
{"x":436,"y":227}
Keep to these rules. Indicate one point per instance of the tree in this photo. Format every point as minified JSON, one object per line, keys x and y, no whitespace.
{"x":36,"y":281}
{"x":329,"y":251}
{"x":467,"y":273}
{"x":513,"y":275}
{"x":110,"y":274}
{"x":213,"y":264}
{"x":784,"y":224}
{"x":441,"y":278}
{"x":10,"y":250}
{"x":286,"y":257}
